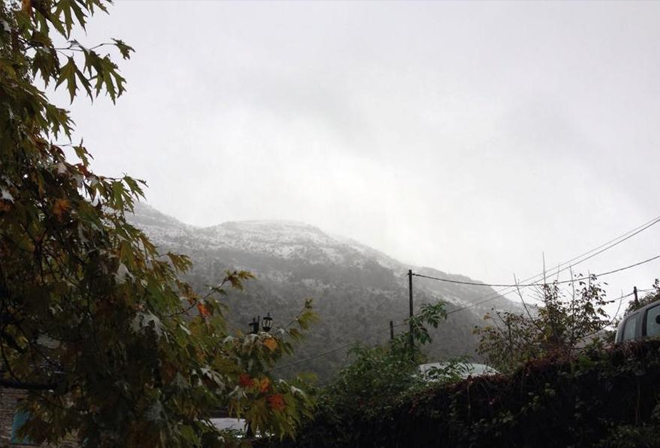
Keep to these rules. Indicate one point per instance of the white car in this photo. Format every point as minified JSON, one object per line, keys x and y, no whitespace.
{"x":233,"y":424}
{"x":643,"y":323}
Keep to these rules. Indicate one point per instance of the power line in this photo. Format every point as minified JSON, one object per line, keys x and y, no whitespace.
{"x":460,"y":282}
{"x":573,"y":262}
{"x":565,"y":281}
{"x":603,"y":247}
{"x":525,"y":285}
{"x":627,"y":267}
{"x":626,"y":235}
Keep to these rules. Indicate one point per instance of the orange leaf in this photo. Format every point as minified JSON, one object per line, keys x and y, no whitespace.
{"x":276,"y":402}
{"x":203,"y":310}
{"x":27,"y":7}
{"x":61,"y":207}
{"x":271,"y":343}
{"x":264,"y":384}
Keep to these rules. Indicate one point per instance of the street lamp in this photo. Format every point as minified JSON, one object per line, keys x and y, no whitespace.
{"x":266,"y":324}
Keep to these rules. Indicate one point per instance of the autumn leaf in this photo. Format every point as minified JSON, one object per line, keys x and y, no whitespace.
{"x":276,"y":402}
{"x":245,"y":381}
{"x":203,"y":310}
{"x":61,"y":207}
{"x":271,"y":343}
{"x":264,"y":385}
{"x":27,"y":7}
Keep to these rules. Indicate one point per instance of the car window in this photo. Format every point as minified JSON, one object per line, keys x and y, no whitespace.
{"x":652,"y":327}
{"x":630,"y":329}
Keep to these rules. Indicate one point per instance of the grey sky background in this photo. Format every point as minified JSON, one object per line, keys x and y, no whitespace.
{"x":471,"y":137}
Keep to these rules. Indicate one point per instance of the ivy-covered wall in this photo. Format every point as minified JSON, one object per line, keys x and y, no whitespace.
{"x":599,"y":399}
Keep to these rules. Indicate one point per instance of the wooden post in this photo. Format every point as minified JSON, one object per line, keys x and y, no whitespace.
{"x":410,"y":293}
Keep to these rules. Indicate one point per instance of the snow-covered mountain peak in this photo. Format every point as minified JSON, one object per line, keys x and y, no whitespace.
{"x":279,"y":239}
{"x":272,"y":230}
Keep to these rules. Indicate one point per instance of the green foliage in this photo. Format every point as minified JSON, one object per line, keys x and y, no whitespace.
{"x":429,"y":314}
{"x":632,"y":436}
{"x":381,"y":374}
{"x":564,"y":322}
{"x":111,"y":346}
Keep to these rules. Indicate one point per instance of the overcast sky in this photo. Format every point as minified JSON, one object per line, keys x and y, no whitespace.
{"x":471,"y":137}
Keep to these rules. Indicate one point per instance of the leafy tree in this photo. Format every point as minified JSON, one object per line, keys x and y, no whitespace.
{"x":379,"y":375}
{"x":562,"y":323}
{"x":110,"y":346}
{"x":377,"y":380}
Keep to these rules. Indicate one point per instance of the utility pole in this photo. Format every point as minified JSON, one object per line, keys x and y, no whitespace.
{"x":636,"y":298}
{"x":410,"y":292}
{"x":391,"y":330}
{"x":508,"y":326}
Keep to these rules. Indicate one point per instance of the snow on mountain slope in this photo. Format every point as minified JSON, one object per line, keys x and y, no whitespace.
{"x":280,"y":239}
{"x":302,"y":244}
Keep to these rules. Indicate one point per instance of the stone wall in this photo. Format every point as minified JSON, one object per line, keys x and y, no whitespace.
{"x":9,"y":398}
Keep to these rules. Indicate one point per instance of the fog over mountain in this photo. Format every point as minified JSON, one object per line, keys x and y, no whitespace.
{"x":356,"y":290}
{"x":484,"y":138}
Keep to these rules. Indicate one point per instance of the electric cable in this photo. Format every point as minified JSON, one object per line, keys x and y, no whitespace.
{"x":574,"y":261}
{"x":526,"y":285}
{"x":564,"y":282}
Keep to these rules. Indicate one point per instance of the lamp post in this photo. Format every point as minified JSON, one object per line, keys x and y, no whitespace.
{"x":266,"y":324}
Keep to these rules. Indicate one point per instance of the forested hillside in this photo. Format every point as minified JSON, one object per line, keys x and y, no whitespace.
{"x":356,"y":289}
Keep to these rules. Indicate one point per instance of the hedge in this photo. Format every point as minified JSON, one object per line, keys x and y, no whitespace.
{"x":598,"y":399}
